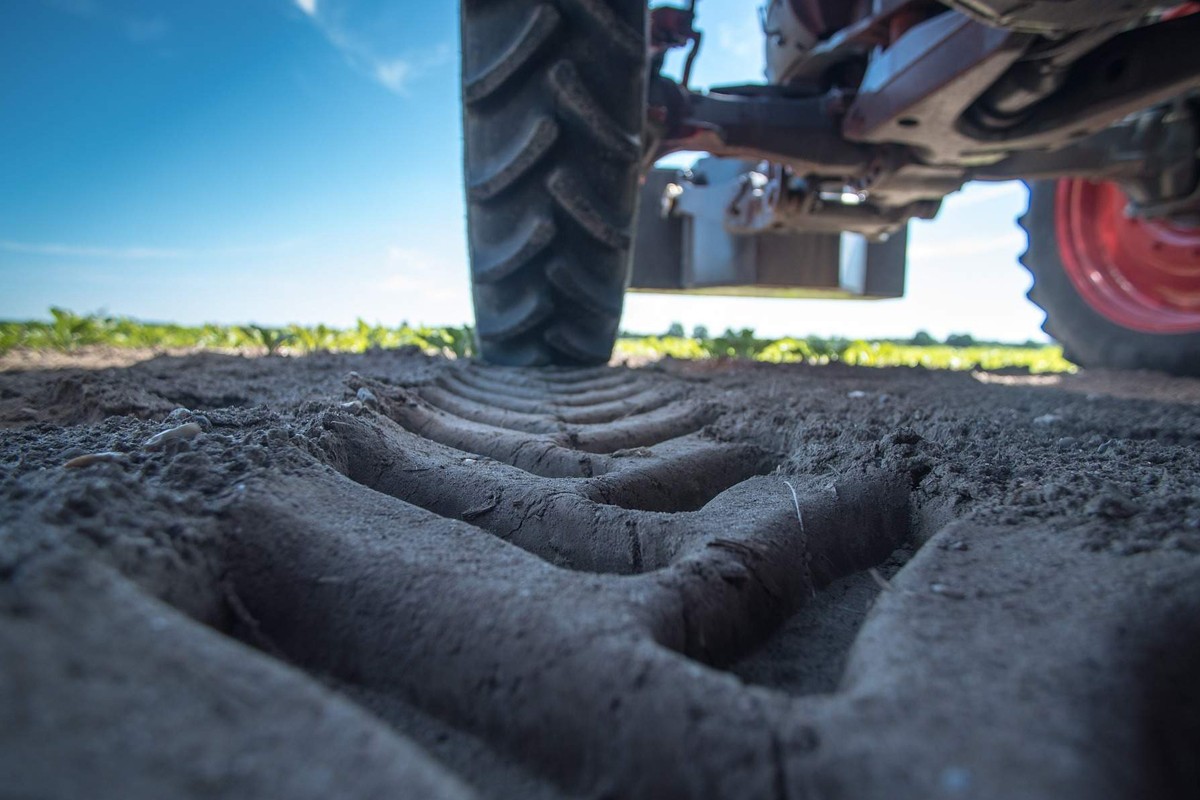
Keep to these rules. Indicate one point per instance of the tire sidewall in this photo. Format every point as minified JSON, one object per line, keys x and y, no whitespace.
{"x":1088,"y":337}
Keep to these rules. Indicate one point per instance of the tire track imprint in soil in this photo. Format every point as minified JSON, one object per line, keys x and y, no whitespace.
{"x":683,"y":550}
{"x":651,"y":500}
{"x":435,"y":552}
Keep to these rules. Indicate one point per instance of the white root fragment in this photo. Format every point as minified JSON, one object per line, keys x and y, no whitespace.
{"x":187,"y":431}
{"x":94,"y":458}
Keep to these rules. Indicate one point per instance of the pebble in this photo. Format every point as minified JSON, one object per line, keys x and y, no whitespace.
{"x":189,"y":430}
{"x":93,"y":458}
{"x":1047,"y":419}
{"x":367,"y":397}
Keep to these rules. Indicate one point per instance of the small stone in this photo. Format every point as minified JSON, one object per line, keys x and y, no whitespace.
{"x":1047,"y":419}
{"x":367,"y":397}
{"x":947,"y":591}
{"x":182,"y":432}
{"x":856,"y":394}
{"x":89,"y":459}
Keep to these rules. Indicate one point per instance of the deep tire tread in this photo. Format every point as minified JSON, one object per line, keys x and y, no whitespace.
{"x":520,"y":317}
{"x":626,"y":39}
{"x":587,"y":290}
{"x":528,"y":150}
{"x":572,"y":197}
{"x":538,"y":29}
{"x":575,"y":99}
{"x":515,"y":252}
{"x":553,"y":99}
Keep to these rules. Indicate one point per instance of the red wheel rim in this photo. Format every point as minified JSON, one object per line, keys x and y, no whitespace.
{"x":1140,"y":274}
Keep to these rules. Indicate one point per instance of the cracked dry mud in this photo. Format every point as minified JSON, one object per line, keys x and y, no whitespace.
{"x":394,"y":576}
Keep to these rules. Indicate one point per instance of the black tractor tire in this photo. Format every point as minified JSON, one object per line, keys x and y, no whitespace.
{"x":553,"y":95}
{"x":1087,"y":337}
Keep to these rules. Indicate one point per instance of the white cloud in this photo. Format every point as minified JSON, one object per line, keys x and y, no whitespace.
{"x":366,"y":44}
{"x":393,"y":74}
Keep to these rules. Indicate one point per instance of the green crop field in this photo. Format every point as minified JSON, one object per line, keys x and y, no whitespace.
{"x":67,"y":331}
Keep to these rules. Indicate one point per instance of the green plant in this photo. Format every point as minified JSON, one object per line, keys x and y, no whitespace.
{"x":12,"y":335}
{"x":787,"y":350}
{"x":270,"y":338}
{"x":738,"y":344}
{"x":313,"y":340}
{"x":69,"y":330}
{"x":460,"y":341}
{"x":654,"y":347}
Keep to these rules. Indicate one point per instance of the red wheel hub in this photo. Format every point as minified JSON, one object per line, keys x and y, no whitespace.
{"x":1140,"y":274}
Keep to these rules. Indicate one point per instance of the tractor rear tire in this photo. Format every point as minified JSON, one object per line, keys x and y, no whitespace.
{"x":553,"y":96}
{"x":1117,"y":292}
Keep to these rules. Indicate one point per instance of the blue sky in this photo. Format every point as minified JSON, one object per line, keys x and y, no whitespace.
{"x":299,"y":161}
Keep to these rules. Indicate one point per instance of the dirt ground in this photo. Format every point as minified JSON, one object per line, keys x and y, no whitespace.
{"x":390,"y":575}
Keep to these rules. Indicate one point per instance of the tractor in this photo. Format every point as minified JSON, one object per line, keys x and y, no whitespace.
{"x":872,"y":112}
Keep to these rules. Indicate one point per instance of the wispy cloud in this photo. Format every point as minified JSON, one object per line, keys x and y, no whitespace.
{"x":359,"y":43}
{"x":139,"y":252}
{"x":393,"y":74}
